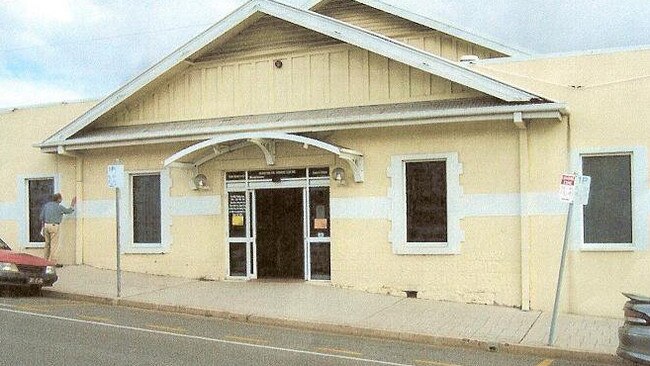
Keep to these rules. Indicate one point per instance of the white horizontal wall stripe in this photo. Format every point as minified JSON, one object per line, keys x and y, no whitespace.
{"x":179,"y":206}
{"x":360,"y":208}
{"x":94,"y":209}
{"x":475,"y":205}
{"x":472,"y":205}
{"x":195,"y":206}
{"x":9,"y":211}
{"x":545,"y":203}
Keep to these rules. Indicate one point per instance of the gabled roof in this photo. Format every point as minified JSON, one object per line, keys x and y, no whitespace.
{"x":341,"y":31}
{"x":446,"y":28}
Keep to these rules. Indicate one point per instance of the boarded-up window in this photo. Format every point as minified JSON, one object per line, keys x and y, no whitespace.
{"x":146,"y":208}
{"x":40,"y":192}
{"x":426,"y":202}
{"x":608,"y":216}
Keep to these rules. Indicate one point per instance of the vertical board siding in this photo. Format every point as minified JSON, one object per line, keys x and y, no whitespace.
{"x":339,"y":77}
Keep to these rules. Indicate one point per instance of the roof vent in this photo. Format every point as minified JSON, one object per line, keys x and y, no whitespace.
{"x":470,"y":59}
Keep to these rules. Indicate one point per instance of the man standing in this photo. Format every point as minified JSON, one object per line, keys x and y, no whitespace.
{"x":51,"y":216}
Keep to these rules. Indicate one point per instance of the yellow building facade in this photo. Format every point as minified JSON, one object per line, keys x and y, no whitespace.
{"x":349,"y":144}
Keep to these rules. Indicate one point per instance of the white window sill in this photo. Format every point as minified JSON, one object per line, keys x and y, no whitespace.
{"x":35,"y":246}
{"x":426,"y":249}
{"x":609,"y":247}
{"x":149,"y":249}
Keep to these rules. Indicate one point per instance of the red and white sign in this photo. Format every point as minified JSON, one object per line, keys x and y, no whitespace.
{"x":568,"y":187}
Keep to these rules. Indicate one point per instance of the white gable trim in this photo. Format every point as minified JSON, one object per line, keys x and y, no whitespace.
{"x":316,"y":22}
{"x":446,"y":28}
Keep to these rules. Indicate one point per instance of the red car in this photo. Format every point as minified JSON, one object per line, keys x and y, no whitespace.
{"x":21,"y":270}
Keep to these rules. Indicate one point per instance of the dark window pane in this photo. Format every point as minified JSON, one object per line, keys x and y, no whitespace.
{"x":426,"y":201}
{"x":40,"y":192}
{"x":237,"y":214}
{"x":320,"y":261}
{"x":319,"y":212}
{"x":146,"y":208}
{"x":608,"y":216}
{"x":237,"y":257}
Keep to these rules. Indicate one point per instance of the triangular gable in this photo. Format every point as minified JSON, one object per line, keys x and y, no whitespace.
{"x":251,"y":11}
{"x":443,"y":27}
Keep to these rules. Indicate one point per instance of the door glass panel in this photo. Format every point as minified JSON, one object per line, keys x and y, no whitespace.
{"x":319,"y":212}
{"x":320,"y":261}
{"x":237,"y":214}
{"x":238,"y":259}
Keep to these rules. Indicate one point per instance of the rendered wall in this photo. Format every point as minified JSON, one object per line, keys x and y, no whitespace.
{"x":21,"y":129}
{"x":607,"y":95}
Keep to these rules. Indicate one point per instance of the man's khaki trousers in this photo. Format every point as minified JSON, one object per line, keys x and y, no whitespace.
{"x":51,"y":235}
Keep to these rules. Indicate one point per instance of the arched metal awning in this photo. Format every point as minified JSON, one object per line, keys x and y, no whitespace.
{"x":200,"y":153}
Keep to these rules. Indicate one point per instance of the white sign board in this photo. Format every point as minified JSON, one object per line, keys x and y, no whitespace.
{"x":568,"y":187}
{"x":575,"y":188}
{"x":584,"y":186}
{"x":116,"y":176}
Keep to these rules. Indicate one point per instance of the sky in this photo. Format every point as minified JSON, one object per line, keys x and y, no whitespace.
{"x":63,"y":50}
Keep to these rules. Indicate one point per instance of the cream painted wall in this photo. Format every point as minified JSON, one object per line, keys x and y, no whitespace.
{"x":607,"y":95}
{"x":21,"y":129}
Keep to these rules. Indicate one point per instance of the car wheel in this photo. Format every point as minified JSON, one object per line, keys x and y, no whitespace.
{"x":34,"y":291}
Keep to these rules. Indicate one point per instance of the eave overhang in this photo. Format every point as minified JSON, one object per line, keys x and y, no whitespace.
{"x":392,"y":115}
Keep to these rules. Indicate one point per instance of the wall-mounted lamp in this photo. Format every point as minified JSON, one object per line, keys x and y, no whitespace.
{"x":338,"y":174}
{"x":277,"y":64}
{"x":200,"y":182}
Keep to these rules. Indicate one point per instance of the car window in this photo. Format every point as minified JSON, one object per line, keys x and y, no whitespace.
{"x":4,"y":245}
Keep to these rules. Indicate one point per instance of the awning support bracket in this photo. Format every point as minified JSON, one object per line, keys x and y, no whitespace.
{"x":267,"y":147}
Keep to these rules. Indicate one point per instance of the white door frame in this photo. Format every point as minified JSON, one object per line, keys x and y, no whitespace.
{"x":249,"y":187}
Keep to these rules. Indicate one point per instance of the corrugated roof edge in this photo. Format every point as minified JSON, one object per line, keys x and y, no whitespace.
{"x":406,"y":114}
{"x":46,"y":105}
{"x":445,"y":27}
{"x":544,"y":56}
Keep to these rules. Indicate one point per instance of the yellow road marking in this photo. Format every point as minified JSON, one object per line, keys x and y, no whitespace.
{"x":167,"y":329}
{"x":336,"y":350}
{"x":546,"y":362}
{"x":31,"y":308}
{"x":434,"y":363}
{"x":96,"y":319}
{"x":245,"y":339}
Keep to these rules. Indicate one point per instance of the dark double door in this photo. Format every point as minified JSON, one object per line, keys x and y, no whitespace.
{"x":280,"y":233}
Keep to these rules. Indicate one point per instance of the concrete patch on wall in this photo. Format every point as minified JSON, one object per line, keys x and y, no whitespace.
{"x":195,"y":206}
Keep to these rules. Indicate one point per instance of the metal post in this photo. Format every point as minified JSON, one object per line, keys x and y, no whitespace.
{"x":117,"y":236}
{"x":565,"y":248}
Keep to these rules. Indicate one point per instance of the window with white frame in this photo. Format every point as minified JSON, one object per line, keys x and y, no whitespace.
{"x":426,"y":198}
{"x":146,"y":204}
{"x":613,"y":219}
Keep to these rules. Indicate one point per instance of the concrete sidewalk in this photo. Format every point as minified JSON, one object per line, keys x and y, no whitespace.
{"x":317,"y":306}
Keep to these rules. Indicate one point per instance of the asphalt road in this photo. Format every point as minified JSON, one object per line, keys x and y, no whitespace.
{"x":45,"y":331}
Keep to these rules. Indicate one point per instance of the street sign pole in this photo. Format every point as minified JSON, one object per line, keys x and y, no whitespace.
{"x":117,"y":235}
{"x":115,"y":177}
{"x":573,"y":189}
{"x":560,"y":278}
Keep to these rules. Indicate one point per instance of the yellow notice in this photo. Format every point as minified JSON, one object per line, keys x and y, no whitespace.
{"x":320,"y":224}
{"x":237,"y":220}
